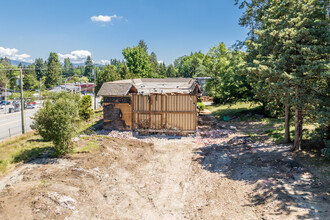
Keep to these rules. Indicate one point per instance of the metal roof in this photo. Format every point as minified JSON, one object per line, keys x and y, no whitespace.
{"x":148,"y":86}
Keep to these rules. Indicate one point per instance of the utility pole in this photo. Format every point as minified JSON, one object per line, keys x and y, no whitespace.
{"x":94,"y":74}
{"x":22,"y":101}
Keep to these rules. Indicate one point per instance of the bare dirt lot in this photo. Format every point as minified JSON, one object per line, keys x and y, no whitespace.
{"x":166,"y":178}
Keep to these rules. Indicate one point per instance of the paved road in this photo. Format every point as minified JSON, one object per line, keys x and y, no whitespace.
{"x":10,"y":123}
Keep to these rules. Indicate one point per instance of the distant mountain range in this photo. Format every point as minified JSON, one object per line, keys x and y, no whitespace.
{"x":15,"y":63}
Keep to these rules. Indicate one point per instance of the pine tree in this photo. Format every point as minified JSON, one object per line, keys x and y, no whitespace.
{"x":88,"y":67}
{"x":154,"y":62}
{"x":288,"y":57}
{"x":171,"y":71}
{"x":162,"y":70}
{"x":53,"y":70}
{"x":143,"y":45}
{"x":30,"y":78}
{"x":40,"y":68}
{"x":68,"y":68}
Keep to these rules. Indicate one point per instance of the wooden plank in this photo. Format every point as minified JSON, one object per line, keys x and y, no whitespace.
{"x":161,"y":107}
{"x":137,"y":115}
{"x":132,"y":107}
{"x":166,"y":111}
{"x":150,"y":98}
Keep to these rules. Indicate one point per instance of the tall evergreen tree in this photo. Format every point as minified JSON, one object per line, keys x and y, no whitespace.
{"x":171,"y":71}
{"x":68,"y":69}
{"x":288,"y":56}
{"x":162,"y":70}
{"x":88,"y":67}
{"x":30,"y":81}
{"x":154,"y":62}
{"x":143,"y":45}
{"x":53,"y":70}
{"x":40,"y":68}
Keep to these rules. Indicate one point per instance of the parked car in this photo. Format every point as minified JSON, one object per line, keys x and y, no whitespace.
{"x":29,"y":106}
{"x":3,"y":102}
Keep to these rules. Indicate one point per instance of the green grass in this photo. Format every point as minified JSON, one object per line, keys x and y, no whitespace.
{"x":240,"y":109}
{"x":21,"y":149}
{"x":29,"y":146}
{"x":90,"y":146}
{"x":272,"y":127}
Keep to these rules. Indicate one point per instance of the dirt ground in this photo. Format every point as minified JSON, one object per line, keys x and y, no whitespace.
{"x":167,"y":178}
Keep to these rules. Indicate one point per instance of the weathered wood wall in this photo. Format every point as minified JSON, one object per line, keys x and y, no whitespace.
{"x":117,"y":112}
{"x":166,"y":113}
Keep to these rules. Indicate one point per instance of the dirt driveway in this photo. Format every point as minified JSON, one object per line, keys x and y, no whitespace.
{"x":178,"y":178}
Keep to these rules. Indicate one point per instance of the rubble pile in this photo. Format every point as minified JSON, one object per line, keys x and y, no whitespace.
{"x":206,"y":137}
{"x":47,"y":200}
{"x":212,"y":136}
{"x":121,"y":134}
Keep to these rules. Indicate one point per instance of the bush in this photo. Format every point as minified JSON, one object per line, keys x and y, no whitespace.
{"x":85,"y":107}
{"x":201,"y":105}
{"x":56,"y":121}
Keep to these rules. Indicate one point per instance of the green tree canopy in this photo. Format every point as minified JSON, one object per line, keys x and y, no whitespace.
{"x":30,"y":81}
{"x":125,"y":73}
{"x":53,"y":70}
{"x":40,"y":68}
{"x":143,"y":45}
{"x":108,"y":74}
{"x":171,"y":71}
{"x":68,"y":69}
{"x":88,"y":67}
{"x":138,"y":62}
{"x":228,"y":83}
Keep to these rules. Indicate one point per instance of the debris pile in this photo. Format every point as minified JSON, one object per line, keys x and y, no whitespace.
{"x":54,"y":198}
{"x":213,"y":136}
{"x":121,"y":134}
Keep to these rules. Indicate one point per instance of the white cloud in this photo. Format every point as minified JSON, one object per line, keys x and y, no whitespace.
{"x":76,"y":56}
{"x":104,"y":62}
{"x":11,"y":53}
{"x":160,"y":62}
{"x":104,"y":18}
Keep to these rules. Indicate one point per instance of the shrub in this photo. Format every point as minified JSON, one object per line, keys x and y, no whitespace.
{"x":201,"y":105}
{"x":85,"y":107}
{"x":57,"y":119}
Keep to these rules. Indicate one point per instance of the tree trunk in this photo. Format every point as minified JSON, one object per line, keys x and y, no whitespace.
{"x":298,"y":129}
{"x":287,"y":124}
{"x":298,"y":122}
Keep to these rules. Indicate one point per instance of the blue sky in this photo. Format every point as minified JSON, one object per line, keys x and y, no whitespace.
{"x":32,"y":29}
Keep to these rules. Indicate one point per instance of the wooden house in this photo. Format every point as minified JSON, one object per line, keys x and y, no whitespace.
{"x":151,"y":105}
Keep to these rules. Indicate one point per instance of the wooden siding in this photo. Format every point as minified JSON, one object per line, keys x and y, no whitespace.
{"x":164,"y":113}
